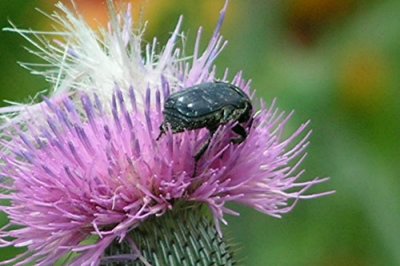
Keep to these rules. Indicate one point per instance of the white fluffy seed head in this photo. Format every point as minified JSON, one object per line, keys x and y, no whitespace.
{"x":78,"y":58}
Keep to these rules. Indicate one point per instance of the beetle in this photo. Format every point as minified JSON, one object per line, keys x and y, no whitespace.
{"x":207,"y":105}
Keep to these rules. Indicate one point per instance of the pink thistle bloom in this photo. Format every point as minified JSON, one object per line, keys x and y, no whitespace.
{"x":88,"y":165}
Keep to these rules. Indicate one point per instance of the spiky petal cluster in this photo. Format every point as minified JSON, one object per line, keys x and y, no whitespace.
{"x":90,"y":170}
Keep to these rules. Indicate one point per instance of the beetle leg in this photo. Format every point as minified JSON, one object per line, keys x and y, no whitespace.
{"x":199,"y":154}
{"x":202,"y":150}
{"x":238,"y":129}
{"x":162,"y":132}
{"x":250,"y":124}
{"x":205,"y":145}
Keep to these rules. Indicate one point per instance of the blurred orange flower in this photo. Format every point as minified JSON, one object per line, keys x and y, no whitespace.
{"x":364,"y":78}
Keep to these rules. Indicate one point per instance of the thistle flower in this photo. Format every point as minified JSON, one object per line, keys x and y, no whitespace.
{"x":87,"y":172}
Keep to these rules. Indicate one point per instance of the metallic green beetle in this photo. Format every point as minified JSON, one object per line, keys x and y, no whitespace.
{"x":207,"y":105}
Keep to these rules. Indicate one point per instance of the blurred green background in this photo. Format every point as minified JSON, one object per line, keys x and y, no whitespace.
{"x":335,"y":62}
